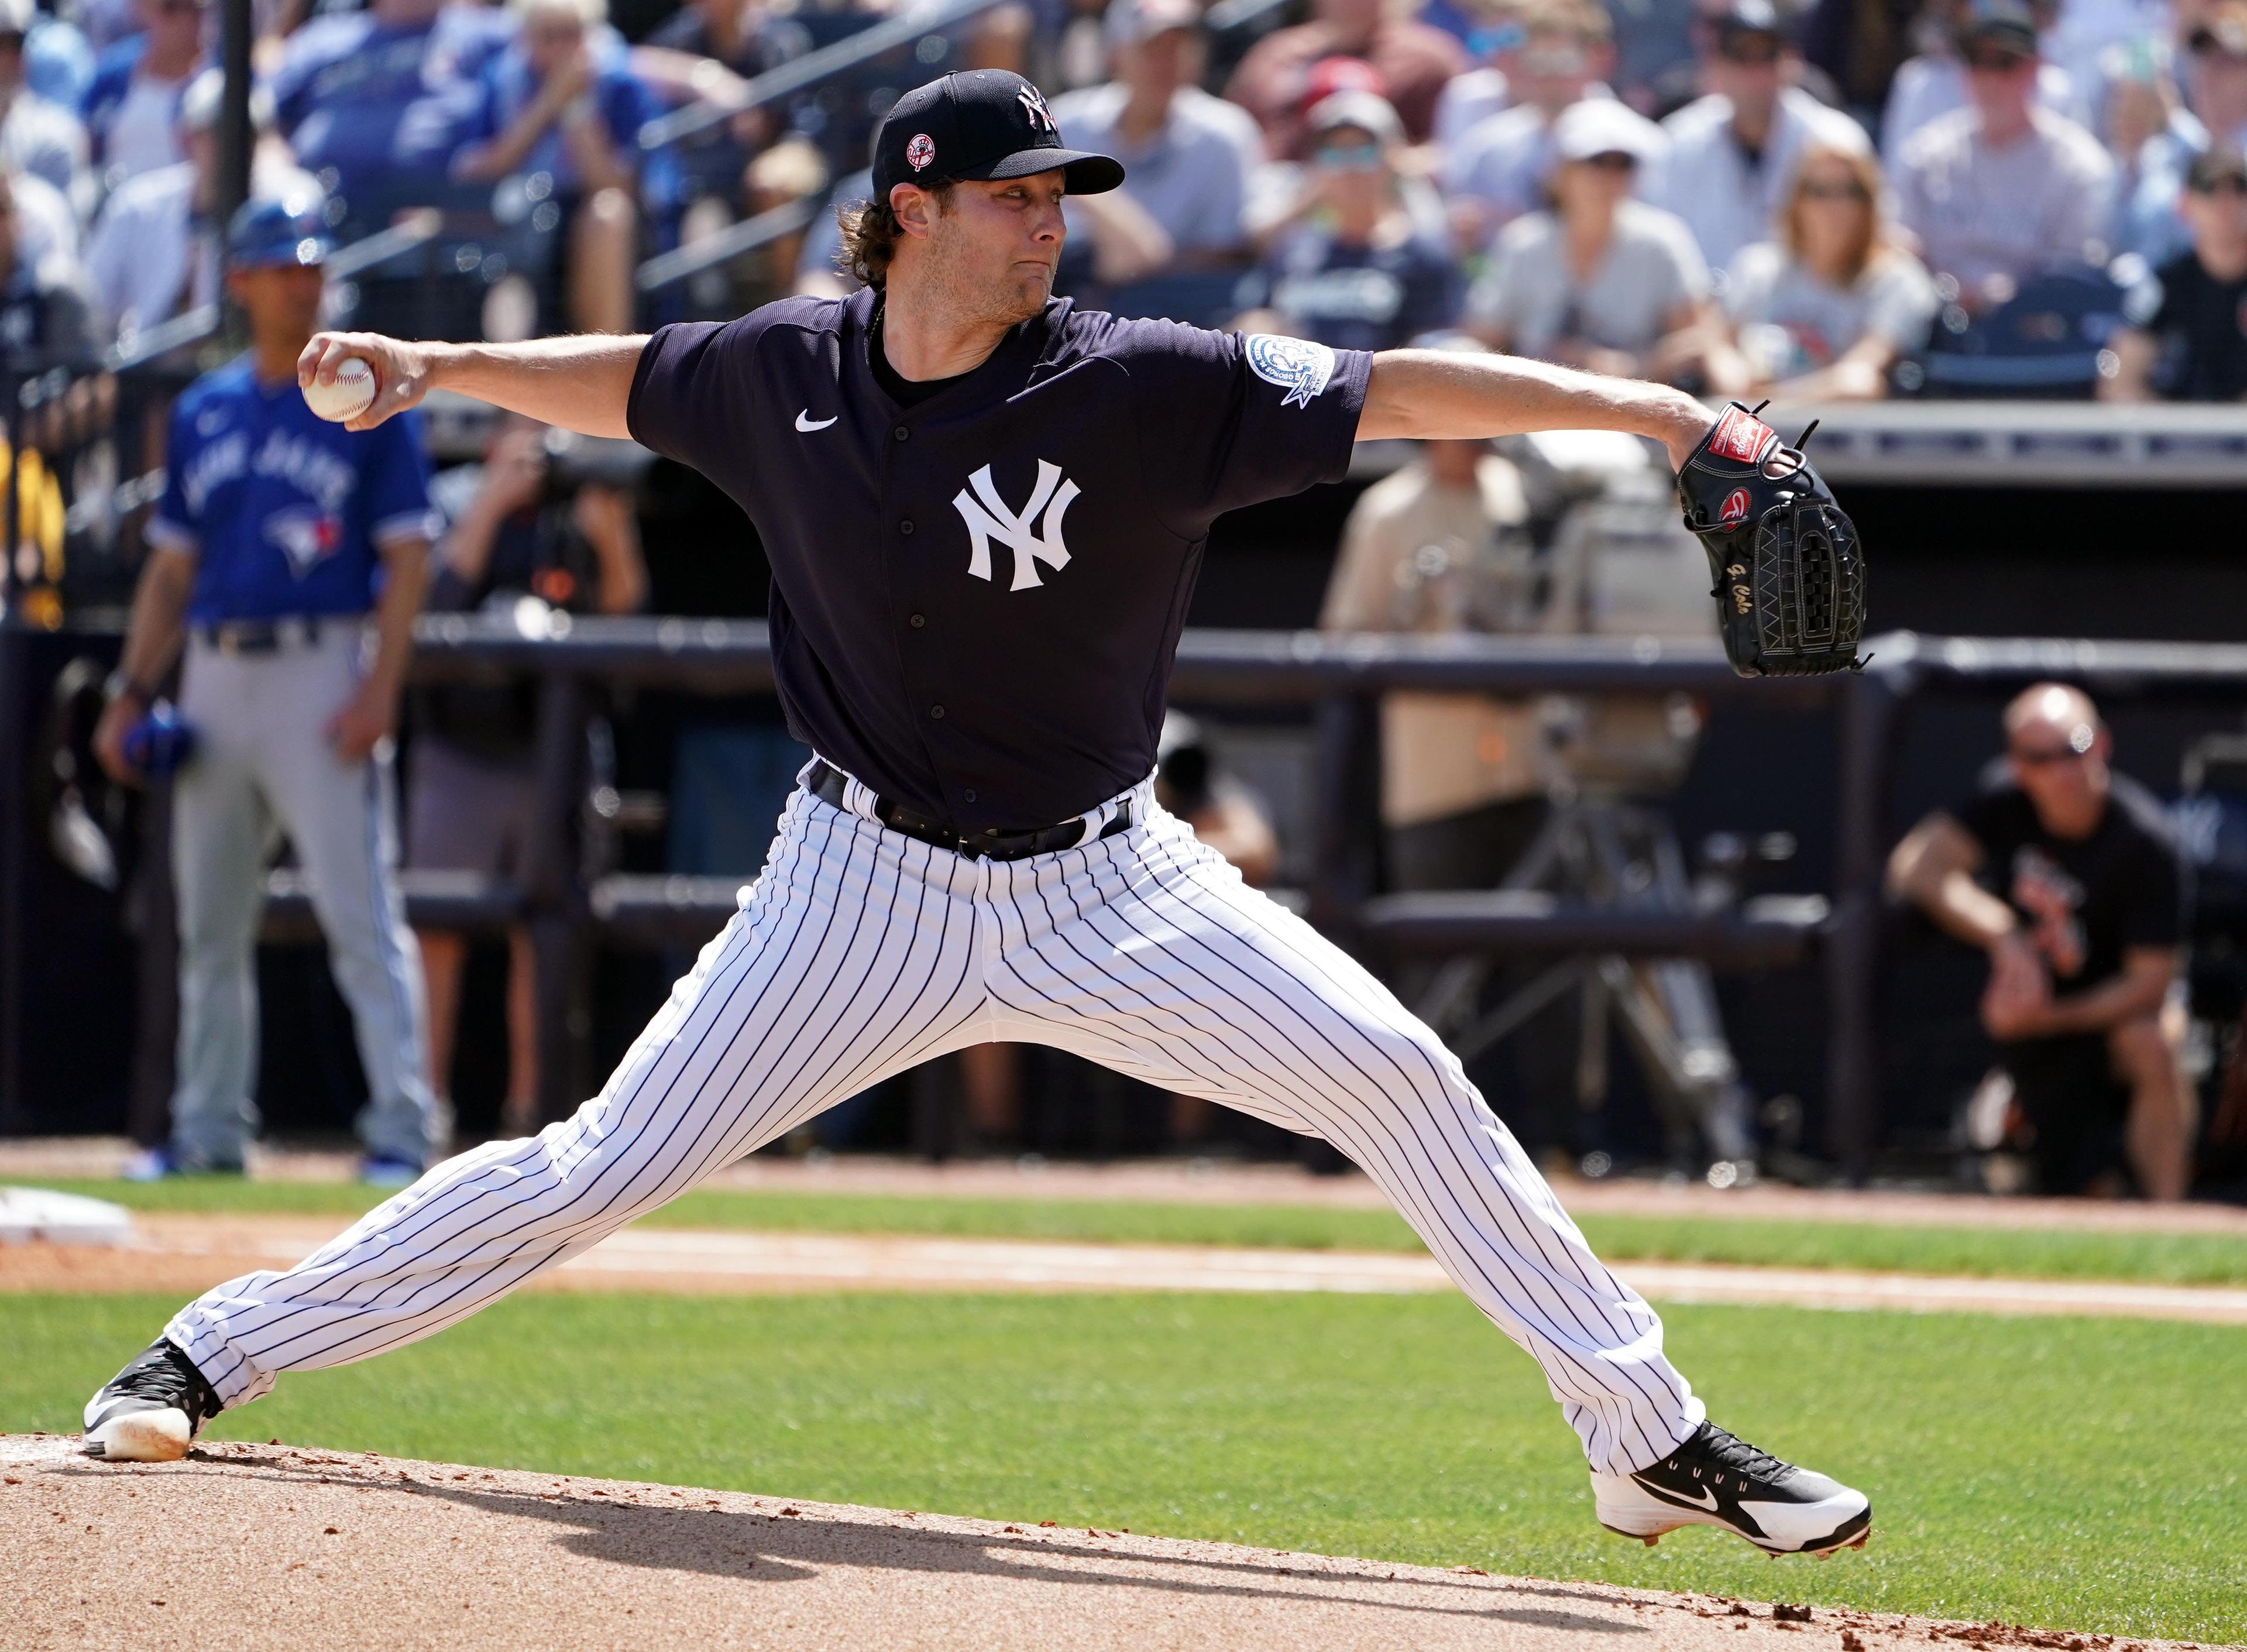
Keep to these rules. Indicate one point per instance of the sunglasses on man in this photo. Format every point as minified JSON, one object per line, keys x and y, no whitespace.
{"x":1749,"y":53}
{"x":2229,"y":184}
{"x":1835,"y":192}
{"x":2074,"y":749}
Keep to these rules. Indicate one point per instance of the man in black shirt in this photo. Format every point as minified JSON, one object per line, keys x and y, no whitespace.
{"x":2187,"y":333}
{"x":2066,"y":876}
{"x":985,"y":511}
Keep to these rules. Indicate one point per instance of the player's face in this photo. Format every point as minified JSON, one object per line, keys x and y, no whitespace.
{"x":282,"y":301}
{"x":991,"y":254}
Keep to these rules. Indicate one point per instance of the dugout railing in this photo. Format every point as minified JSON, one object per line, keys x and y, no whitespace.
{"x":571,"y":911}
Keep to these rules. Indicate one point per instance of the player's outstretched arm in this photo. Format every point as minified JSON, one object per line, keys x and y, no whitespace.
{"x":1434,"y":393}
{"x":580,"y":383}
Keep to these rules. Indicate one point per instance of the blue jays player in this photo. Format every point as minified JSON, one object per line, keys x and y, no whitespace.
{"x":277,"y":536}
{"x":985,"y":511}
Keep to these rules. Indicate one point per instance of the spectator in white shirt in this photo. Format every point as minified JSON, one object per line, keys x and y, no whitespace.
{"x":1602,"y":282}
{"x":1934,"y":83}
{"x":2005,"y":189}
{"x":1825,"y":310}
{"x":1188,"y":155}
{"x":153,"y":253}
{"x":36,"y":136}
{"x":1497,"y":171}
{"x":133,"y":106}
{"x":1732,"y":153}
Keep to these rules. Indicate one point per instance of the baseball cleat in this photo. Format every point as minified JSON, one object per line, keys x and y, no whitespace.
{"x":149,"y":1412}
{"x":1714,"y":1479}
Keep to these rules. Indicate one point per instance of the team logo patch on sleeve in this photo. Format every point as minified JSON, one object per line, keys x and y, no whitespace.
{"x":1297,"y":366}
{"x":920,"y":151}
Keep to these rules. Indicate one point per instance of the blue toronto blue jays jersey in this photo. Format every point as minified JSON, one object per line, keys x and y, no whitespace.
{"x":283,"y":510}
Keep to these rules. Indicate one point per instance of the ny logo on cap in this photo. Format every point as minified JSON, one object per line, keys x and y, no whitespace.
{"x":987,"y":518}
{"x":1033,"y":102}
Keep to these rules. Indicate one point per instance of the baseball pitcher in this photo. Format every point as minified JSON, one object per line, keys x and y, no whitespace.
{"x":986,"y":510}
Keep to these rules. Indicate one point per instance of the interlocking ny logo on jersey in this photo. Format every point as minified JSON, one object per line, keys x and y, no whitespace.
{"x":988,"y":518}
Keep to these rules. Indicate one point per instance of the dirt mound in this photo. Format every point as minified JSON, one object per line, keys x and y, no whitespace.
{"x":271,"y":1547}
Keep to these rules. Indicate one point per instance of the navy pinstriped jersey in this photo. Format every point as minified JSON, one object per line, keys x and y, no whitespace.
{"x":976,"y":599}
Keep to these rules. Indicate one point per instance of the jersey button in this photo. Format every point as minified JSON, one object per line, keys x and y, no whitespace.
{"x":918,"y":621}
{"x":936,"y":710}
{"x":969,"y":795}
{"x":901,"y":433}
{"x":905,"y":527}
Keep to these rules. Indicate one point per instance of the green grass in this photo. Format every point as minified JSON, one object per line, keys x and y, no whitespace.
{"x":2168,"y":1259}
{"x":2082,"y":1474}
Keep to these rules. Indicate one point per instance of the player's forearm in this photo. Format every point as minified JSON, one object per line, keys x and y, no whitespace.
{"x":1431,"y":394}
{"x":581,"y":384}
{"x":152,"y":641}
{"x":405,"y":581}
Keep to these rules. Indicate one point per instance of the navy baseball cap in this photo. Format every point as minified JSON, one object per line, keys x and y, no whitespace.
{"x":2005,"y":23}
{"x":266,"y":232}
{"x":981,"y":124}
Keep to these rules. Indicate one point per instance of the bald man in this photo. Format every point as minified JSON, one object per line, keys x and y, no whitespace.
{"x":2064,"y":874}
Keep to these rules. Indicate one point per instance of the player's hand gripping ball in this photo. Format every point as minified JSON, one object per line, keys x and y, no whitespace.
{"x":352,"y":394}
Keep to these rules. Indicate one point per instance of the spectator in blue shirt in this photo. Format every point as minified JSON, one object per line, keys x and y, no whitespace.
{"x":561,"y":100}
{"x":373,"y":102}
{"x":132,"y":109}
{"x":1355,"y":271}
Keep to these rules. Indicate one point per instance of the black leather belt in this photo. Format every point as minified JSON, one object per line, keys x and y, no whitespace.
{"x":826,"y":783}
{"x":260,"y":636}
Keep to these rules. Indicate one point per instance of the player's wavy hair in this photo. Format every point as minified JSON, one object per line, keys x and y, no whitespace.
{"x":871,"y":236}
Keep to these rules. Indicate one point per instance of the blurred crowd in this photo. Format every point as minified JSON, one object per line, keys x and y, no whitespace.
{"x":1831,"y":199}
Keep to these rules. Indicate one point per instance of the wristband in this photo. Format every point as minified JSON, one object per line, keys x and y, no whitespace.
{"x":119,"y":687}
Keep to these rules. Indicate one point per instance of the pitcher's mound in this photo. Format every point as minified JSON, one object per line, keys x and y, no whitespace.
{"x":272,"y":1547}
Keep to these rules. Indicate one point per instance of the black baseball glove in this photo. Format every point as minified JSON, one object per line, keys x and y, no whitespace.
{"x":1789,"y":571}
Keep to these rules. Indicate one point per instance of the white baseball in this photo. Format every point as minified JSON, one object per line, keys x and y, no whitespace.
{"x":352,"y":394}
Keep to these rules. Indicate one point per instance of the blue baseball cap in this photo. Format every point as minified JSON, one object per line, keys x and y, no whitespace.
{"x":267,"y":233}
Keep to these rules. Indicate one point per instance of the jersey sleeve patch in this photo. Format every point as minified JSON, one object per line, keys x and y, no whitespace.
{"x":1297,"y":366}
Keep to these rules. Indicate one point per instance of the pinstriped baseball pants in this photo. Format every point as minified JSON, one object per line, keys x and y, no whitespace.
{"x":860,"y":952}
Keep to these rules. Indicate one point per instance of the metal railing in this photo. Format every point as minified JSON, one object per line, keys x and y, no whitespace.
{"x":1341,"y":678}
{"x":683,"y":264}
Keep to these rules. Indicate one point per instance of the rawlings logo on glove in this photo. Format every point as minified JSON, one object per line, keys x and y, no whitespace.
{"x":1789,"y":571}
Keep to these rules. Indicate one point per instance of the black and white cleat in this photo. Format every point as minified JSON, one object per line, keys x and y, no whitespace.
{"x":1714,"y":1479}
{"x":150,"y":1412}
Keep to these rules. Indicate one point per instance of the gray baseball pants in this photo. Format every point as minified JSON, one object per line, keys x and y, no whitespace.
{"x":262,"y":766}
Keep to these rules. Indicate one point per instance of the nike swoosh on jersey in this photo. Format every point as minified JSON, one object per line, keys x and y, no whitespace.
{"x":807,"y":424}
{"x":1702,"y":1497}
